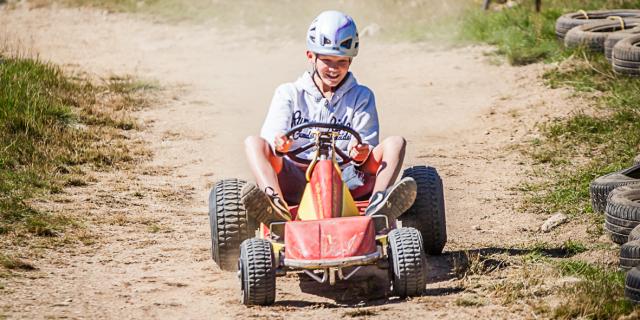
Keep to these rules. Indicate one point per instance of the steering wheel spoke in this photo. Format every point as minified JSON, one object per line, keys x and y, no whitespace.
{"x":294,"y":154}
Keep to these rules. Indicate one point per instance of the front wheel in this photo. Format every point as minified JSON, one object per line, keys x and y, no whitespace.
{"x":407,"y":261}
{"x":257,"y":273}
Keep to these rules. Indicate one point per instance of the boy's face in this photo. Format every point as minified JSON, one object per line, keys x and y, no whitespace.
{"x":332,"y":69}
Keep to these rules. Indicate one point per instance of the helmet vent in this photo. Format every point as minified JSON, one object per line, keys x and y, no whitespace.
{"x":346,"y":44}
{"x":326,"y":41}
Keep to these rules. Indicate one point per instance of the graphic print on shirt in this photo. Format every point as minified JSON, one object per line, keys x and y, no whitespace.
{"x":297,"y":119}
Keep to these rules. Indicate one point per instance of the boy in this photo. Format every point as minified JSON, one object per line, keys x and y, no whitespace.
{"x":327,"y":94}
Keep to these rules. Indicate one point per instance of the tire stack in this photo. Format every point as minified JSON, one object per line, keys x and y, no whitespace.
{"x":626,"y":56}
{"x":622,"y":213}
{"x":602,"y":186}
{"x":593,"y":35}
{"x":621,"y":190}
{"x":615,"y":37}
{"x":625,"y":201}
{"x":569,"y":21}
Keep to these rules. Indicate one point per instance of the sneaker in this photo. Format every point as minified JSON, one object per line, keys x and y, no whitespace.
{"x":264,"y":206}
{"x":394,"y":201}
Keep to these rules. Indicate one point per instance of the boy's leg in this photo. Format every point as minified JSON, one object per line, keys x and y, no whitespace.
{"x":265,"y":165}
{"x":385,"y":162}
{"x":264,"y":201}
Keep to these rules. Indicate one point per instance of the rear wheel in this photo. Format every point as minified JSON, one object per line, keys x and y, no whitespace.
{"x":427,"y":214}
{"x":257,"y":273}
{"x":229,"y":222}
{"x":407,"y":261}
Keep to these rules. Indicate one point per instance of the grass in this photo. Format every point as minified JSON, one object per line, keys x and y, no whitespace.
{"x":599,"y":296}
{"x":53,"y":127}
{"x":524,"y":36}
{"x":600,"y":137}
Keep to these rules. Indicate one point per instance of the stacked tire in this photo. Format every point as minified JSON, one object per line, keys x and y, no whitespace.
{"x":615,"y":37}
{"x":593,"y":35}
{"x":626,"y":56}
{"x":571,"y":20}
{"x":602,"y":186}
{"x":622,"y":213}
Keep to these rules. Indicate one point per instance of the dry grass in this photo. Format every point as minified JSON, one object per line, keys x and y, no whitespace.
{"x":55,"y":129}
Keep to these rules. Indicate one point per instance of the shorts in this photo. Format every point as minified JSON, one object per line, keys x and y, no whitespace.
{"x":292,"y":180}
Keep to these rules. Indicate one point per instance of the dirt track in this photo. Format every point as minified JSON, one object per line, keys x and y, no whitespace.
{"x":459,"y":112}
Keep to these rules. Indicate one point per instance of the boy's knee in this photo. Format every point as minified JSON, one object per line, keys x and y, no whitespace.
{"x":256,"y":143}
{"x":396,"y":142}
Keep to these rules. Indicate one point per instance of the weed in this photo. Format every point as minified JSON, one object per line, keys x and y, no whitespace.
{"x":359,"y":313}
{"x":51,"y":125}
{"x":470,"y":301}
{"x":573,"y":247}
{"x":600,"y":296}
{"x":13,"y":263}
{"x":523,"y":35}
{"x":467,"y":264}
{"x":528,"y":284}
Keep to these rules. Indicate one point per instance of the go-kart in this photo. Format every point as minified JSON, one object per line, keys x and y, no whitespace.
{"x":328,"y":238}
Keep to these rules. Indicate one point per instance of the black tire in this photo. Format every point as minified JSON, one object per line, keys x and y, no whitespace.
{"x":624,"y":202}
{"x":619,"y":221}
{"x":630,"y":255}
{"x":615,"y":37}
{"x":593,"y":35}
{"x":600,"y":188}
{"x":634,"y":234}
{"x":632,"y":285}
{"x":616,"y":237}
{"x":257,"y":272}
{"x":618,"y":229}
{"x":427,"y":214}
{"x":568,"y":21}
{"x":625,"y":70}
{"x":634,"y":65}
{"x":229,"y":222}
{"x":627,"y":49}
{"x":407,"y":261}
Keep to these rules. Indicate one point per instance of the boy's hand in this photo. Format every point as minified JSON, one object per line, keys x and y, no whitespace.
{"x":359,"y":152}
{"x":282,"y":143}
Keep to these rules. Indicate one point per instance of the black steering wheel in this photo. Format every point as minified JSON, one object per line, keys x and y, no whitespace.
{"x":293,"y":154}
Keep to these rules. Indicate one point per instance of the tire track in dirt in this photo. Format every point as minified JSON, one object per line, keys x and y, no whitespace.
{"x":458,"y":112}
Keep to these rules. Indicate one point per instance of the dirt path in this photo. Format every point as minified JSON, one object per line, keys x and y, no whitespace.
{"x":151,"y":260}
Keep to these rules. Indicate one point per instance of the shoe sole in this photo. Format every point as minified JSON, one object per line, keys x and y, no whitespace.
{"x":400,"y":199}
{"x":258,"y":204}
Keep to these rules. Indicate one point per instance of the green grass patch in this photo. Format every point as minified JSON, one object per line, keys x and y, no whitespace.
{"x":594,"y":141}
{"x":523,"y":35}
{"x":51,"y":127}
{"x":599,"y":296}
{"x":602,"y":137}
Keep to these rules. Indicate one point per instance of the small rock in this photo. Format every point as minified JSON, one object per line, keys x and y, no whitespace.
{"x":554,"y":221}
{"x":567,"y":281}
{"x":476,"y":228}
{"x":371,"y":30}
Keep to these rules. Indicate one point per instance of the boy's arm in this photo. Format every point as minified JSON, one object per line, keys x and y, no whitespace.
{"x":278,"y":117}
{"x":365,"y":121}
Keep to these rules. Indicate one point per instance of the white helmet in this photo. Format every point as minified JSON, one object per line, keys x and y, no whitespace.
{"x":333,"y":33}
